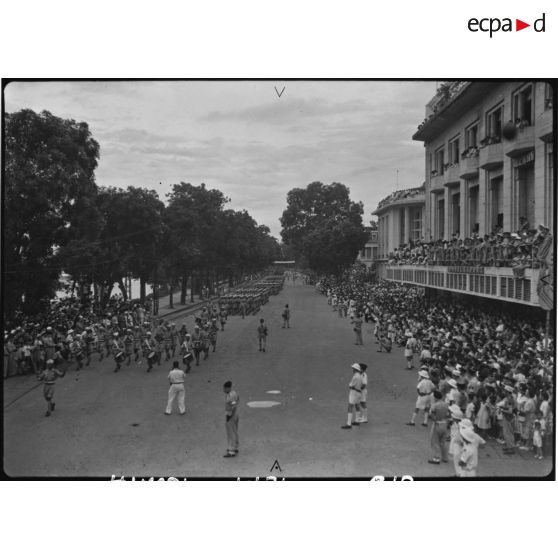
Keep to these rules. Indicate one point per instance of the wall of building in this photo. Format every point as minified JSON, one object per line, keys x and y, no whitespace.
{"x":451,"y":182}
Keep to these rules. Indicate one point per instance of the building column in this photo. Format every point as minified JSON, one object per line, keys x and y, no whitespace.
{"x":407,"y":223}
{"x":463,"y":208}
{"x":447,"y":209}
{"x":483,"y":209}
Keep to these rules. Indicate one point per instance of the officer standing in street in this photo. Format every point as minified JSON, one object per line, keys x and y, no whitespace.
{"x":357,"y":328}
{"x":231,"y":419}
{"x":286,"y":316}
{"x":355,"y":391}
{"x":262,"y":335}
{"x":176,"y":390}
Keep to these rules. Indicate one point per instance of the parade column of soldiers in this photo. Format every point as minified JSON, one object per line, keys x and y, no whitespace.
{"x":131,"y":333}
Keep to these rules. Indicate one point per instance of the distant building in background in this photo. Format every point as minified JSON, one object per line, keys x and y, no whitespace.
{"x":369,"y":254}
{"x":400,"y":220}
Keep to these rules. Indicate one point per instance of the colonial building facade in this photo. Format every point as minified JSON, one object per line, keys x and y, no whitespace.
{"x":489,"y":182}
{"x":400,"y":219}
{"x":489,"y":157}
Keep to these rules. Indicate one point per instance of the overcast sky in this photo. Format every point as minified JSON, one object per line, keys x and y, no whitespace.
{"x":241,"y":138}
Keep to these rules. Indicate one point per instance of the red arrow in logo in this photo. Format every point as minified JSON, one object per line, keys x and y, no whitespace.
{"x":519,"y":25}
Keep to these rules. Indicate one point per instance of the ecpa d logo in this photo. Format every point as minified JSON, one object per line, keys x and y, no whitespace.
{"x":492,"y":25}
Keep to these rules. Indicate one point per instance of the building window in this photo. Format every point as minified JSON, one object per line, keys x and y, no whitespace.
{"x":524,"y":176}
{"x":368,"y":253}
{"x":471,"y":141}
{"x":416,"y":223}
{"x":402,"y":231}
{"x":374,"y":253}
{"x":440,"y":218}
{"x":453,"y":151}
{"x":493,"y":126}
{"x":438,"y":162}
{"x":455,"y":213}
{"x":523,"y":106}
{"x":473,"y":224}
{"x":497,"y":203}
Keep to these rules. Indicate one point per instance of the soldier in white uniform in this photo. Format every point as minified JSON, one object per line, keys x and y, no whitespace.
{"x":362,"y":416}
{"x":425,"y":388}
{"x":355,"y":391}
{"x":176,"y":390}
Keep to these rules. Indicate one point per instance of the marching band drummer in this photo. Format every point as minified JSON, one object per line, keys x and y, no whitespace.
{"x":197,"y":343}
{"x":128,"y":346}
{"x":149,"y":350}
{"x":186,"y":352}
{"x":117,"y":351}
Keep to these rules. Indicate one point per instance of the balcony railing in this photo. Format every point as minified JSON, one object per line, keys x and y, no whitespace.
{"x":491,"y":156}
{"x":498,"y":283}
{"x":469,"y":167}
{"x":523,"y":141}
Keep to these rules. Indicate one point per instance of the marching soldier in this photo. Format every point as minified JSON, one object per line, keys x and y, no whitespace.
{"x":149,"y":346}
{"x":167,"y":342}
{"x":159,"y":336}
{"x":90,"y":344}
{"x":212,"y":333}
{"x":197,"y":343}
{"x":173,"y":337}
{"x":223,"y":317}
{"x":128,"y":346}
{"x":49,"y":377}
{"x":117,"y":351}
{"x":186,"y":352}
{"x":205,"y":337}
{"x":76,"y":351}
{"x":136,"y":343}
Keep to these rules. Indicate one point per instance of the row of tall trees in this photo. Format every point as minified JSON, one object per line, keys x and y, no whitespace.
{"x":57,"y":219}
{"x":323,"y":227}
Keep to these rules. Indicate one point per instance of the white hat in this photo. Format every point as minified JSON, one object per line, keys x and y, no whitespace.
{"x":456,"y":412}
{"x":423,"y":374}
{"x":467,"y":433}
{"x":356,"y":367}
{"x":509,"y":388}
{"x":50,"y":361}
{"x":452,"y":383}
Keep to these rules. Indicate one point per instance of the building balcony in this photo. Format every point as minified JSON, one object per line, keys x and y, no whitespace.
{"x":491,"y":156}
{"x":499,"y":283}
{"x":451,"y":175}
{"x":544,"y":125}
{"x":522,"y":142}
{"x":469,"y":167}
{"x":437,"y":183}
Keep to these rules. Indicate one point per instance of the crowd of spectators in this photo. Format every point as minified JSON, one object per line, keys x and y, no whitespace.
{"x":526,"y":248}
{"x":502,"y":367}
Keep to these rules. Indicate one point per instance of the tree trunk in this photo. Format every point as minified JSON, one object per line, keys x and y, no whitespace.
{"x":122,"y":288}
{"x":192,"y":282}
{"x":142,"y":290}
{"x":171,"y":289}
{"x":231,"y":279}
{"x":184,"y":289}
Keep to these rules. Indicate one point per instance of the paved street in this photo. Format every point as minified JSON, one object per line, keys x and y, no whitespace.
{"x":108,"y":423}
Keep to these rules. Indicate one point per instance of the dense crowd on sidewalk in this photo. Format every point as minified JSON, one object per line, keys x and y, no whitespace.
{"x":494,"y":371}
{"x":525,"y":248}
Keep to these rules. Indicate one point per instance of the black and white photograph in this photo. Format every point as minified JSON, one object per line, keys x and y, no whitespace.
{"x":279,"y":278}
